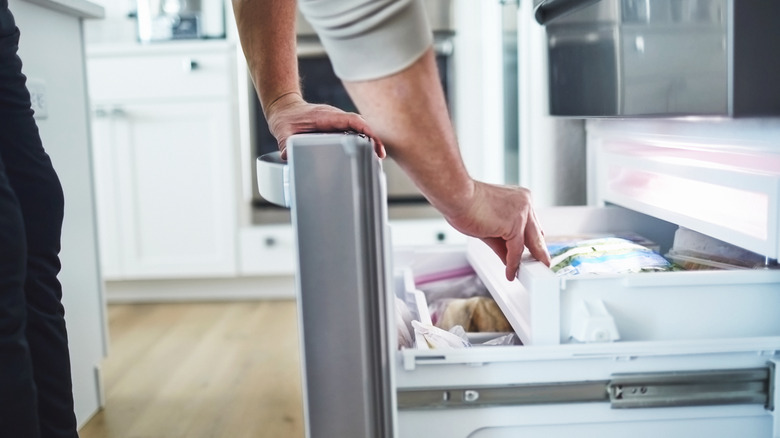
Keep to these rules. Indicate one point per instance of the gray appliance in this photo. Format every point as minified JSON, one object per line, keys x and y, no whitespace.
{"x":164,"y":20}
{"x":662,"y":57}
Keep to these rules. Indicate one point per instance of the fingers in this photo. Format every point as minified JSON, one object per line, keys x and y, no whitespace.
{"x":341,"y":121}
{"x":283,"y":148}
{"x":534,"y":240}
{"x":304,"y":117}
{"x":514,"y":254}
{"x":498,"y":246}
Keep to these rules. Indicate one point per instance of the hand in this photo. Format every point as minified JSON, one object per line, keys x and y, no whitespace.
{"x":290,"y":114}
{"x":503,"y":218}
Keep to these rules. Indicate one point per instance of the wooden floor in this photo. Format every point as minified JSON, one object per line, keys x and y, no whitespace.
{"x":201,"y":370}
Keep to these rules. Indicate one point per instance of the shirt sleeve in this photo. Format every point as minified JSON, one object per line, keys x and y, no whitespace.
{"x":369,"y":39}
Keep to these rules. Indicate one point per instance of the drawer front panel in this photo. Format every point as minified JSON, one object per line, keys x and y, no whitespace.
{"x":267,"y":250}
{"x":159,"y":76}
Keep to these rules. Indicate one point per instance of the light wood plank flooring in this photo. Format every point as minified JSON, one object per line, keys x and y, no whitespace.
{"x":201,"y":370}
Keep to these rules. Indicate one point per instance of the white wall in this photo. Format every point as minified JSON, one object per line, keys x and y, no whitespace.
{"x":52,"y":52}
{"x":478,"y":91}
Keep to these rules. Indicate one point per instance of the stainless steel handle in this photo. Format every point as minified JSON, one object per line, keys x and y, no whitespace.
{"x":549,"y":10}
{"x":273,"y":181}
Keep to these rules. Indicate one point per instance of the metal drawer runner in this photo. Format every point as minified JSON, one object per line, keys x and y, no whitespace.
{"x":643,"y":390}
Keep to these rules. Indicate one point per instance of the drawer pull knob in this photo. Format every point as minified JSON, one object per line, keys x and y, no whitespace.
{"x":190,"y":65}
{"x":270,"y":241}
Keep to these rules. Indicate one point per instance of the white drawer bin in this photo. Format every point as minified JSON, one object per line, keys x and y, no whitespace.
{"x":543,"y":307}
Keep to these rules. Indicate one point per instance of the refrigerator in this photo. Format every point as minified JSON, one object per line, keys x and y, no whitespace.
{"x":673,"y":354}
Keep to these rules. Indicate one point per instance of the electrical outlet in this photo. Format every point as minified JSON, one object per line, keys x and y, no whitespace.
{"x":38,"y":97}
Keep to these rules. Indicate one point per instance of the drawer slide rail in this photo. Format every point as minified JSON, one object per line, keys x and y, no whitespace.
{"x":622,"y":391}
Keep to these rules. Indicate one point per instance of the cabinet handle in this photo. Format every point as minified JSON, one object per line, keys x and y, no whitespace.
{"x":270,"y":241}
{"x":101,"y":112}
{"x":190,"y":65}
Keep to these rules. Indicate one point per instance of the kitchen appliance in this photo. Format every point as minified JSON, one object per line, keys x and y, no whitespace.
{"x":320,"y":84}
{"x":677,"y":354}
{"x":164,"y":20}
{"x":697,"y":350}
{"x":662,"y":58}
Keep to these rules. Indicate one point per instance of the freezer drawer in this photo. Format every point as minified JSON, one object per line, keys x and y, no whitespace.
{"x":720,"y":179}
{"x":546,"y":309}
{"x":721,"y":387}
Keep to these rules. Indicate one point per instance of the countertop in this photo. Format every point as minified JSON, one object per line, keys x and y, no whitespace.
{"x":78,"y":8}
{"x":115,"y":48}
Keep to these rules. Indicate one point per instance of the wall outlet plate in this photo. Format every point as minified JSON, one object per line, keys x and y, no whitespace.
{"x":38,"y":98}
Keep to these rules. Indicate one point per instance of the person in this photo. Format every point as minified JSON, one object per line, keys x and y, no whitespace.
{"x":36,"y":396}
{"x":382,"y":52}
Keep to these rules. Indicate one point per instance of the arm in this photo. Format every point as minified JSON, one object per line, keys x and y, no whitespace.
{"x":408,"y":111}
{"x":267,"y":32}
{"x":266,"y":29}
{"x":406,"y":108}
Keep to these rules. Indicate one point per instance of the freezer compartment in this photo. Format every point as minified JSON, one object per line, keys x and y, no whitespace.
{"x":712,"y":177}
{"x":674,"y":388}
{"x":548,"y":309}
{"x":439,"y":288}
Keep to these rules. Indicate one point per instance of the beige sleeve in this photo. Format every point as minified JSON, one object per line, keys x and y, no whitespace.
{"x":369,"y":39}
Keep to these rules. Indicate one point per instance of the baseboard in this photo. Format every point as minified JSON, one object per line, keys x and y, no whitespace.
{"x":227,"y":289}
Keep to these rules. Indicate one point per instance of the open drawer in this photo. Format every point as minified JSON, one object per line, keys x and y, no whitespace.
{"x":546,"y":309}
{"x":697,"y":383}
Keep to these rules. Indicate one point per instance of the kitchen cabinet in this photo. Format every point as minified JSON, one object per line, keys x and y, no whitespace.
{"x":164,"y":129}
{"x":270,"y":249}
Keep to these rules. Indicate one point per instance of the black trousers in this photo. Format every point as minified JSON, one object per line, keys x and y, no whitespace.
{"x":36,"y":396}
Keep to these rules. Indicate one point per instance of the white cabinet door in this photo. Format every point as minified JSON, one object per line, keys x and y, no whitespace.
{"x":106,"y":191}
{"x":165,"y":191}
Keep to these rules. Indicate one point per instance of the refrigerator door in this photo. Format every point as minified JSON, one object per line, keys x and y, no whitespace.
{"x":626,"y":58}
{"x":339,"y":214}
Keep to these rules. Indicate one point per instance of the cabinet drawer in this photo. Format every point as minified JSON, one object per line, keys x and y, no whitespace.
{"x":160,"y":76}
{"x":267,"y":250}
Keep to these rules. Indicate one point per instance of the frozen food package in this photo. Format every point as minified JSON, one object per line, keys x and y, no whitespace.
{"x":693,"y":251}
{"x":604,"y":255}
{"x":403,"y":322}
{"x":459,"y":298}
{"x":438,"y":338}
{"x":456,"y":283}
{"x":556,"y":243}
{"x":475,"y":314}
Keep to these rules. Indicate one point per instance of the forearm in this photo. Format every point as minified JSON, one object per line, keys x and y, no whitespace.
{"x":266,"y":29}
{"x":408,"y":112}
